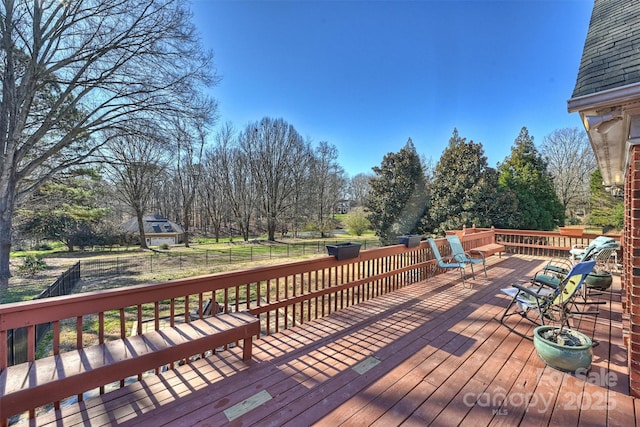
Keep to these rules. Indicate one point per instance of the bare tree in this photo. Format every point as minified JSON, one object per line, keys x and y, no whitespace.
{"x":188,"y":170}
{"x":327,"y":183}
{"x":274,"y":150}
{"x":571,"y":162}
{"x":302,"y":206}
{"x":214,"y":191}
{"x":212,"y":196}
{"x":233,"y":173}
{"x":73,"y":70}
{"x":135,"y":163}
{"x":359,"y":188}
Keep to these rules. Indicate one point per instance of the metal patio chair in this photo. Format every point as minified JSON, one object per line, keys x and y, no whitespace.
{"x":543,"y":305}
{"x":448,"y":264}
{"x":460,"y":255}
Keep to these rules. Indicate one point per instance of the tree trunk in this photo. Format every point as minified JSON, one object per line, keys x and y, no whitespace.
{"x":69,"y":244}
{"x":272,"y":222}
{"x":5,"y":251}
{"x":143,"y":238}
{"x":7,"y":132}
{"x":186,"y":227}
{"x":6,"y":213}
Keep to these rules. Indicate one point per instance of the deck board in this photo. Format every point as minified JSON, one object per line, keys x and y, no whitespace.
{"x":430,"y":353}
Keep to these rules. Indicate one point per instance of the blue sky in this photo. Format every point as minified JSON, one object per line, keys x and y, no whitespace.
{"x":367,"y":75}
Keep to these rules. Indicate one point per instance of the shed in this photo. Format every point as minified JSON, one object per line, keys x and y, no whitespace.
{"x":158,"y":230}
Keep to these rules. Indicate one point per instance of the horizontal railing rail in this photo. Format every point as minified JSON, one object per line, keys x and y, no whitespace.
{"x":542,"y":243}
{"x":526,"y":242}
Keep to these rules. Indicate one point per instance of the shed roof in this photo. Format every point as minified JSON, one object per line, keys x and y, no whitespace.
{"x":153,"y":224}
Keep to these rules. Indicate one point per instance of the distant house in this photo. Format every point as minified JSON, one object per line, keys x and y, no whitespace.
{"x":157,"y":230}
{"x":343,"y":206}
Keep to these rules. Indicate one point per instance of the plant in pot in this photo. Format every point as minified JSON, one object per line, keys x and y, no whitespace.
{"x":558,"y":345}
{"x":599,"y":280}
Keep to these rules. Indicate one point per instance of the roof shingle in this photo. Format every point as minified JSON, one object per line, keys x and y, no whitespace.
{"x":611,"y":55}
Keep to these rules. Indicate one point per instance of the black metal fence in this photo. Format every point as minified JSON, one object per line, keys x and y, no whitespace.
{"x":163,"y":261}
{"x":17,"y":338}
{"x":209,"y":258}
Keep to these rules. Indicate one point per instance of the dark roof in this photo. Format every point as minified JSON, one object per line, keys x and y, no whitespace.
{"x":611,"y":56}
{"x":153,"y":224}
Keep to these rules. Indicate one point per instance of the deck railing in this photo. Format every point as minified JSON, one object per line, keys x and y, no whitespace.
{"x":526,"y":242}
{"x":282,"y":295}
{"x":542,"y":243}
{"x":17,"y":339}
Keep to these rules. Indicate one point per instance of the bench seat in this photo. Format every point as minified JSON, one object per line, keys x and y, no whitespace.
{"x":489,"y":249}
{"x":54,"y":378}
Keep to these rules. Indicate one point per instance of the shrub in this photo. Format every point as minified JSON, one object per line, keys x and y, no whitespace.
{"x":357,"y":222}
{"x":32,"y":265}
{"x":164,"y":246}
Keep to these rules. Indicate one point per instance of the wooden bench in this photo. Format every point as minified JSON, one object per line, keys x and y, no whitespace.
{"x":489,"y":249}
{"x":54,"y":378}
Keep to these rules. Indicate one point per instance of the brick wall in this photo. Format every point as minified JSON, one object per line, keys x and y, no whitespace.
{"x":631,"y":271}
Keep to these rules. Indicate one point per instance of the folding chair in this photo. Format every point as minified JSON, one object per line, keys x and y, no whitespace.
{"x":548,"y":305}
{"x":580,"y":252}
{"x":459,"y":254}
{"x":441,"y":263}
{"x":603,"y":251}
{"x":607,"y":258}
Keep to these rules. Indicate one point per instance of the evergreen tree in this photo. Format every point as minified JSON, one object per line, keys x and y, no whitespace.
{"x":525,"y":172}
{"x":67,"y":209}
{"x":497,"y":206}
{"x":398,"y":197}
{"x":464,"y":189}
{"x":606,"y":210}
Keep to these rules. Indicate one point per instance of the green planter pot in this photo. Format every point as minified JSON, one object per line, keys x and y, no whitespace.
{"x":599,"y":280}
{"x":569,"y":357}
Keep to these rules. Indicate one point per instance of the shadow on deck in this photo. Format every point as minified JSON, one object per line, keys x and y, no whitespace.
{"x":431,"y":353}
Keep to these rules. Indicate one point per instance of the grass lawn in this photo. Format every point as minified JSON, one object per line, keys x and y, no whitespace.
{"x":239,"y":253}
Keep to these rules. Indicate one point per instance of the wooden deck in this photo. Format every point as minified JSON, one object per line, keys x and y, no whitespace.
{"x":429,"y":354}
